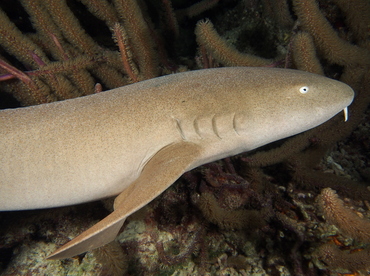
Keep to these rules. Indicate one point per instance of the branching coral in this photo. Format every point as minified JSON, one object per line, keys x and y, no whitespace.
{"x":208,"y":38}
{"x":65,"y":60}
{"x":304,"y":54}
{"x":326,"y":39}
{"x":346,"y":220}
{"x":332,"y":256}
{"x":224,"y":198}
{"x":350,"y":224}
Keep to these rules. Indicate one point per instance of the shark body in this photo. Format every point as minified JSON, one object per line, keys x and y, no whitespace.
{"x":136,"y":140}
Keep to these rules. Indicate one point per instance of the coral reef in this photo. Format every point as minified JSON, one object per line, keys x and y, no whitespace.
{"x":296,"y":207}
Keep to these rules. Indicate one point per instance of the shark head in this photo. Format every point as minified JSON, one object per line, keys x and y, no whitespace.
{"x":292,"y":102}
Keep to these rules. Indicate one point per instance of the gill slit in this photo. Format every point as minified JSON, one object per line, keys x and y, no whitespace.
{"x":214,"y":127}
{"x":180,"y":130}
{"x":196,"y":128}
{"x":234,"y":124}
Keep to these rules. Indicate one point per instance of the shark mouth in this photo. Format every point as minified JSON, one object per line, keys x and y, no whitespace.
{"x":345,"y":110}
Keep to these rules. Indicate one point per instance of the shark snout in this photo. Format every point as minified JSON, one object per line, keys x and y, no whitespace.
{"x":348,"y":95}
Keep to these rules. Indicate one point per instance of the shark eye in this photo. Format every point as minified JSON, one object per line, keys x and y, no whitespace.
{"x":303,"y":89}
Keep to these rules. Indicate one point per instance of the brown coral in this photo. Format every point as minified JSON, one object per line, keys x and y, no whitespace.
{"x":333,"y":257}
{"x":345,"y":219}
{"x":223,"y":51}
{"x":326,"y":39}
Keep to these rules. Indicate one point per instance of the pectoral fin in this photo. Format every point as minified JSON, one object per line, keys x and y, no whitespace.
{"x":158,"y":174}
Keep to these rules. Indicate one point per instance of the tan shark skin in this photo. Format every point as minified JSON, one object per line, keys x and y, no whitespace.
{"x":136,"y":140}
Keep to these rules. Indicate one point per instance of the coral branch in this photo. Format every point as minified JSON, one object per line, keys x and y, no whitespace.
{"x":139,"y":37}
{"x":336,"y":258}
{"x":170,"y":17}
{"x":329,"y":44}
{"x":223,"y":51}
{"x":17,"y":44}
{"x":15,"y":72}
{"x":102,"y":9}
{"x":37,"y":93}
{"x":359,"y":22}
{"x":346,"y":220}
{"x":70,"y":27}
{"x":304,"y":53}
{"x":120,"y":36}
{"x":229,"y":219}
